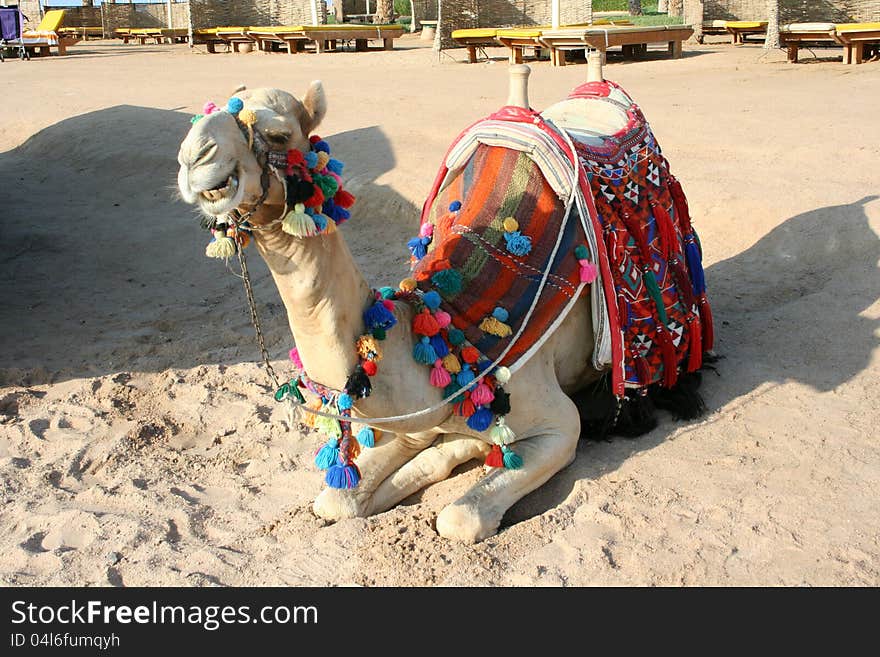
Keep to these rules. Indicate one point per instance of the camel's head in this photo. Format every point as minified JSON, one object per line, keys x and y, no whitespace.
{"x":220,"y":171}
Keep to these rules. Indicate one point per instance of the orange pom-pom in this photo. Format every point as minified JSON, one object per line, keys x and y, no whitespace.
{"x":425,"y":324}
{"x":470,"y":355}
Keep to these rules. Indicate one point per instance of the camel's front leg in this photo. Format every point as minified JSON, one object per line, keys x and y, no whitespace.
{"x":375,"y":464}
{"x":545,"y":452}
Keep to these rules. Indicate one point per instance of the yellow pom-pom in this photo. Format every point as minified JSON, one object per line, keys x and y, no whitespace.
{"x":298,"y":223}
{"x":408,"y":284}
{"x":451,"y":364}
{"x":323,"y":159}
{"x":494,"y":327}
{"x":510,"y":225}
{"x":331,"y":225}
{"x":502,"y":375}
{"x":367,"y":345}
{"x":247,"y":116}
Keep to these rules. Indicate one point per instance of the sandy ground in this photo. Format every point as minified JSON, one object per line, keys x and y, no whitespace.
{"x":138,"y":445}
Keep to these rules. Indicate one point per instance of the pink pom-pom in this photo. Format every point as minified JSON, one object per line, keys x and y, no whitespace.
{"x":389,"y":304}
{"x":588,"y":271}
{"x":294,"y":356}
{"x":482,"y":395}
{"x":440,"y":378}
{"x":335,"y":176}
{"x":210,"y":108}
{"x":442,"y":318}
{"x":427,"y":230}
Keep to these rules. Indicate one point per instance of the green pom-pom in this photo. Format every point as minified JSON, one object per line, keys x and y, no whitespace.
{"x":581,"y":253}
{"x":512,"y":460}
{"x":327,"y":184}
{"x":378,"y":332}
{"x":448,"y":281}
{"x":456,"y":336}
{"x":387,"y":292}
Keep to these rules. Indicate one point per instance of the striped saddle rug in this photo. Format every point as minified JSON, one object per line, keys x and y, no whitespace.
{"x":529,"y":212}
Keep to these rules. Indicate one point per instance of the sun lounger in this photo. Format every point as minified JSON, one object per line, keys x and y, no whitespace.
{"x":517,"y":39}
{"x":741,"y":29}
{"x":474,"y":39}
{"x":633,"y":39}
{"x":84,"y":33}
{"x":794,"y":35}
{"x":715,"y":27}
{"x":46,"y":35}
{"x":326,"y":37}
{"x":855,"y":38}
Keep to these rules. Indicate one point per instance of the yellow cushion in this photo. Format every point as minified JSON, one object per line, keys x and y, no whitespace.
{"x":475,"y":33}
{"x":520,"y":33}
{"x":51,"y":21}
{"x":746,"y":25}
{"x":858,"y":27}
{"x":611,"y":21}
{"x":205,"y":31}
{"x":807,"y":27}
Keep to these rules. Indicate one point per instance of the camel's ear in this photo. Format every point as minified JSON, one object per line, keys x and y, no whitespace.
{"x":315,"y":106}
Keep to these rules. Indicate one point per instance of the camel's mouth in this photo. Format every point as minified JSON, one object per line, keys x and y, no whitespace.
{"x":222,"y":197}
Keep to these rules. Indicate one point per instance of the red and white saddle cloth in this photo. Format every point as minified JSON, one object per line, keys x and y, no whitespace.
{"x":583,"y":181}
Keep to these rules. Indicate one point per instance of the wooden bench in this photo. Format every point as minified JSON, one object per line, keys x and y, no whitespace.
{"x":794,"y":35}
{"x":855,"y":38}
{"x":633,"y":40}
{"x":741,"y":29}
{"x":475,"y":39}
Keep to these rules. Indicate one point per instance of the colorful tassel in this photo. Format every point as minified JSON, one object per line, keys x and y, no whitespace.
{"x":695,"y":354}
{"x":643,"y":371}
{"x":442,"y":318}
{"x":708,"y":324}
{"x":220,"y":247}
{"x":501,"y":404}
{"x":448,"y":281}
{"x":378,"y":315}
{"x":481,"y":419}
{"x":587,"y":271}
{"x":492,"y":326}
{"x":501,"y":434}
{"x":439,"y":376}
{"x":495,"y":459}
{"x":502,"y":375}
{"x":358,"y":384}
{"x":328,"y":455}
{"x":344,"y":199}
{"x":465,"y":408}
{"x":455,"y":336}
{"x":424,"y":324}
{"x":450,"y":362}
{"x":470,"y":355}
{"x":343,"y":476}
{"x":482,"y":394}
{"x":423,"y":352}
{"x":666,"y":230}
{"x":510,"y":225}
{"x":695,"y":266}
{"x":328,"y":426}
{"x":440,"y":346}
{"x":408,"y":284}
{"x":500,"y":314}
{"x":431,"y":300}
{"x":418,"y":246}
{"x":370,"y":367}
{"x":670,"y":357}
{"x":298,"y":223}
{"x":368,"y":347}
{"x":366,"y":437}
{"x":654,"y":291}
{"x":511,"y":460}
{"x":464,"y":377}
{"x":344,"y":402}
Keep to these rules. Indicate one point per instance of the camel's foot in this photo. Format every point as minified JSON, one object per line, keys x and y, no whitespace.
{"x":467,"y":523}
{"x":338,"y":504}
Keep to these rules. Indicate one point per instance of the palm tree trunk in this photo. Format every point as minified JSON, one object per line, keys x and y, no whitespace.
{"x":676,"y":7}
{"x":662,"y":6}
{"x":635,"y":7}
{"x":772,"y":40}
{"x":384,"y":12}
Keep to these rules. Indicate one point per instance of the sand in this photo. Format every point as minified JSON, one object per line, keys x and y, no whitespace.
{"x":139,"y":446}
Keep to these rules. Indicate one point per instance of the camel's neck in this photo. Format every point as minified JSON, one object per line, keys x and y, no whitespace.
{"x":325,"y":295}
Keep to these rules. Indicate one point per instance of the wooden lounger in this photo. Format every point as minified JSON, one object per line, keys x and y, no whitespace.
{"x":517,"y":39}
{"x":854,"y":37}
{"x":715,"y":27}
{"x":291,"y":38}
{"x":794,"y":35}
{"x":741,"y":29}
{"x":633,"y":40}
{"x":326,"y":37}
{"x":472,"y":39}
{"x":228,"y":35}
{"x":84,"y":32}
{"x":47,"y":36}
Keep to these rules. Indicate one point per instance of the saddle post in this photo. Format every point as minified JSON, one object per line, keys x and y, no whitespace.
{"x":594,"y":67}
{"x":518,"y":95}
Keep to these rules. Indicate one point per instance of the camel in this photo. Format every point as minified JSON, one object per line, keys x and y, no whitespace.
{"x":325,"y":294}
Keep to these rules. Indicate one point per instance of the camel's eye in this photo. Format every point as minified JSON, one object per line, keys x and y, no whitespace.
{"x":278,"y":138}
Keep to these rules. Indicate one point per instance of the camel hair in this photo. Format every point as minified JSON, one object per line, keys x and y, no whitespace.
{"x":325,"y":294}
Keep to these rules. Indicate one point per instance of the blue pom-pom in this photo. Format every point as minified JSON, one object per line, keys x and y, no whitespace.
{"x":311,"y":159}
{"x":321,"y":146}
{"x":387,"y":292}
{"x":320,"y":222}
{"x":234,"y":106}
{"x":483,"y":365}
{"x":379,"y":316}
{"x":695,"y":266}
{"x":344,"y":402}
{"x":417,"y":248}
{"x":343,"y":476}
{"x":447,"y":281}
{"x":432,"y":300}
{"x":328,"y":455}
{"x":455,"y":206}
{"x":481,"y":419}
{"x":464,"y":377}
{"x":424,"y":353}
{"x":518,"y":244}
{"x":439,"y":345}
{"x":335,"y":166}
{"x":342,"y":214}
{"x":500,"y":314}
{"x":366,"y":437}
{"x":455,"y":336}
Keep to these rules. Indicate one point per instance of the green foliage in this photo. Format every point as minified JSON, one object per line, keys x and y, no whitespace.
{"x":648,"y":6}
{"x":401,"y":7}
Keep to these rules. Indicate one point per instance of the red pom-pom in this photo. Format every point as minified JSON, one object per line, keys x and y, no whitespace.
{"x":314,"y":139}
{"x":343,"y":199}
{"x":470,"y":355}
{"x":389,"y":304}
{"x":465,"y":408}
{"x":370,"y":367}
{"x":317,"y":199}
{"x":294,"y":156}
{"x":425,"y":324}
{"x":495,"y":458}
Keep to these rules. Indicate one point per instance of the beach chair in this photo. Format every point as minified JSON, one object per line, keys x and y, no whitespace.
{"x":517,"y":39}
{"x":46,"y":35}
{"x":478,"y":38}
{"x":325,"y":37}
{"x":856,"y":38}
{"x":11,"y":22}
{"x":633,"y":40}
{"x":714,"y":27}
{"x":741,"y":29}
{"x":794,"y":35}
